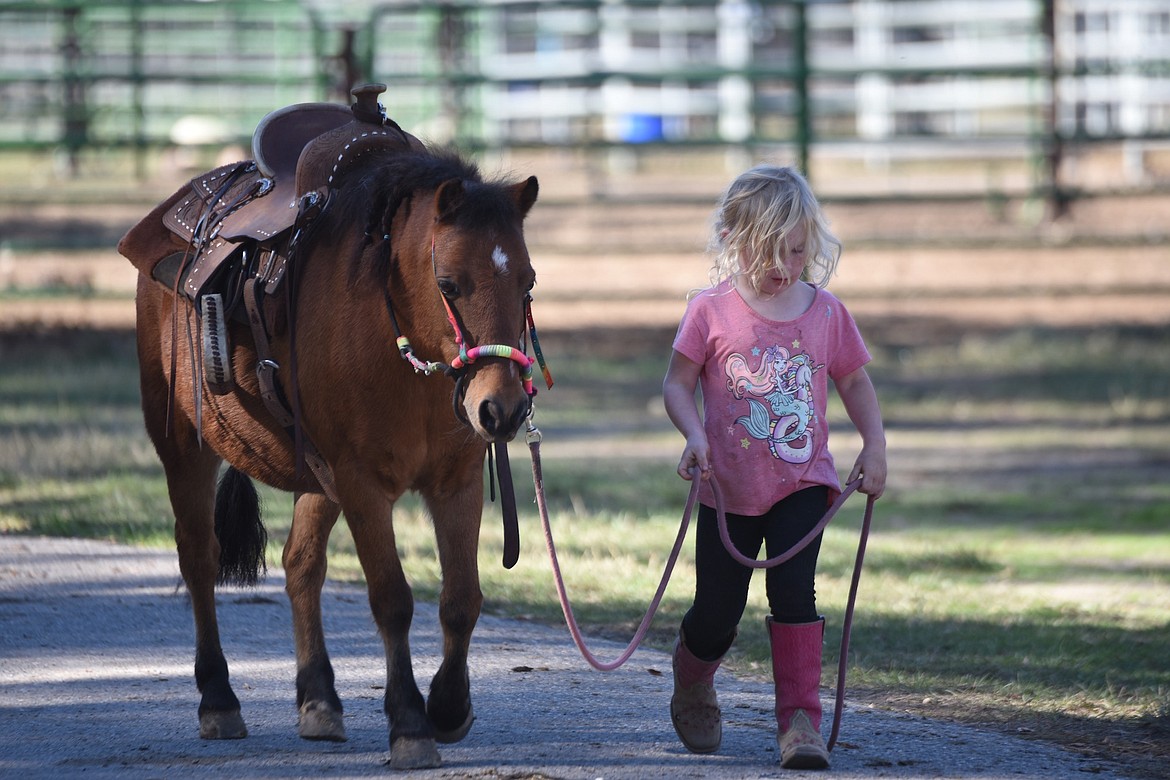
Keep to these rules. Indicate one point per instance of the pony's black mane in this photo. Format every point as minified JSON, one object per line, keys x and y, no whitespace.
{"x":372,"y":195}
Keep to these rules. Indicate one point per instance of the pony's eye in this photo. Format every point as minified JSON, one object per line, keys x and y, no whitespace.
{"x":449,"y":289}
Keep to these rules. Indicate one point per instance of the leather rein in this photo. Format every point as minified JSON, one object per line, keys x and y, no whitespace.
{"x":458,"y":369}
{"x":533,"y":437}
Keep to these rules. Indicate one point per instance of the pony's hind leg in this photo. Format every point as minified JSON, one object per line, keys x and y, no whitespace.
{"x":318,"y":704}
{"x":191,"y":483}
{"x":456,"y":520}
{"x":191,"y":469}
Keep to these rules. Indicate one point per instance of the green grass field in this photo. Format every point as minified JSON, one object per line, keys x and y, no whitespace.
{"x":1018,"y":572}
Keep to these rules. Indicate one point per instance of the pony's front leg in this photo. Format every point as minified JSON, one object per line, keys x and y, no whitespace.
{"x":456,"y":519}
{"x":318,"y":704}
{"x":412,"y":740}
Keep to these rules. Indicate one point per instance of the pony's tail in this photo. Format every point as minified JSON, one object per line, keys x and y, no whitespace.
{"x":240,"y":530}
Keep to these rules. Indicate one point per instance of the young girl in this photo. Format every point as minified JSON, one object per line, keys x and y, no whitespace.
{"x":762,"y":343}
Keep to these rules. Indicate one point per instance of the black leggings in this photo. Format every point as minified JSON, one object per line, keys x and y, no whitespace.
{"x":721,"y":583}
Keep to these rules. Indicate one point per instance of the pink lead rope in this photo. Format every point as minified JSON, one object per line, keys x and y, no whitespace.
{"x":533,"y":438}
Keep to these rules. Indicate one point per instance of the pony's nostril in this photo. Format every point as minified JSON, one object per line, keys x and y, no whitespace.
{"x":490,"y":417}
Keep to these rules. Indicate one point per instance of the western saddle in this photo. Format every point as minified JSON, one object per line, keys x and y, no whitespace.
{"x":240,"y":225}
{"x":298,"y":153}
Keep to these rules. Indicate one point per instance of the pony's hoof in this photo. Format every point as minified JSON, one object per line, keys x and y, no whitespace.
{"x":458,"y":733}
{"x":319,"y":721}
{"x":222,"y":725}
{"x":408,"y":753}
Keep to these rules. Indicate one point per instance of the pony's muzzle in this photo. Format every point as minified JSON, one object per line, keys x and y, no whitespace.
{"x":494,"y":403}
{"x":499,"y":422}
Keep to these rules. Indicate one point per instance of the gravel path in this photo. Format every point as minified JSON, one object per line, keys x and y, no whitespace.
{"x":96,"y":681}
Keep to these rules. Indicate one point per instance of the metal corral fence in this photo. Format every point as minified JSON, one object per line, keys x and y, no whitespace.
{"x":1034,"y":80}
{"x":83,"y":75}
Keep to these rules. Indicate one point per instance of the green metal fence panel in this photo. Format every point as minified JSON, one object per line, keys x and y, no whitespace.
{"x":142,"y":72}
{"x":583,"y":72}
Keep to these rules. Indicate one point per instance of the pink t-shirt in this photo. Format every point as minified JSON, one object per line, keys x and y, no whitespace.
{"x":765,"y":385}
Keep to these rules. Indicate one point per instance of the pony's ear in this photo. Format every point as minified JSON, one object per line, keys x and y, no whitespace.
{"x":448,"y":198}
{"x":525,"y":194}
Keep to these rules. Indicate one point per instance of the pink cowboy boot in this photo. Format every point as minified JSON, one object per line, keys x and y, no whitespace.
{"x":694,"y":708}
{"x":796,"y":670}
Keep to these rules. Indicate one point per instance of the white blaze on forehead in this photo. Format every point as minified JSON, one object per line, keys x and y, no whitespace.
{"x":500,"y":258}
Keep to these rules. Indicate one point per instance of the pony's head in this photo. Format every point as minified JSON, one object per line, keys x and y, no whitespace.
{"x":484,"y":273}
{"x":449,"y":251}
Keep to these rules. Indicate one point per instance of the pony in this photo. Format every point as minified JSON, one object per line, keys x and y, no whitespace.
{"x":414,"y":253}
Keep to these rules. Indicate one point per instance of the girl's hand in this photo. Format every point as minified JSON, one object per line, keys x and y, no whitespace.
{"x":696,"y":454}
{"x":871,"y":468}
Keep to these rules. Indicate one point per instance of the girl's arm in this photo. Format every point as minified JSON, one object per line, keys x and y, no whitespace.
{"x":678,"y":394}
{"x":861,"y":404}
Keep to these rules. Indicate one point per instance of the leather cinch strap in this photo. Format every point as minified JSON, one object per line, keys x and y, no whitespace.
{"x":273,"y":397}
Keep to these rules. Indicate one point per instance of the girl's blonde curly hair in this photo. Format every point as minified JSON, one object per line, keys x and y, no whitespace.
{"x":756,"y":215}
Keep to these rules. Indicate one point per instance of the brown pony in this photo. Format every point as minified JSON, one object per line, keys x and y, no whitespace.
{"x":411,"y":243}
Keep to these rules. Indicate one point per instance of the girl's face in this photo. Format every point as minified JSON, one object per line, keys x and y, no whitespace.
{"x":792,"y":261}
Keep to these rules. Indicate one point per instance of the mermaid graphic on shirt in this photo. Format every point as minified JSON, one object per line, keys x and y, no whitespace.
{"x":784,"y":381}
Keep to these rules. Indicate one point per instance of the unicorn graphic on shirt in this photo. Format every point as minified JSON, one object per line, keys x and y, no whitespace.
{"x":784,"y":381}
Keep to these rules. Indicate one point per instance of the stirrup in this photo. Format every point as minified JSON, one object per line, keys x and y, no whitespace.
{"x":217,"y":364}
